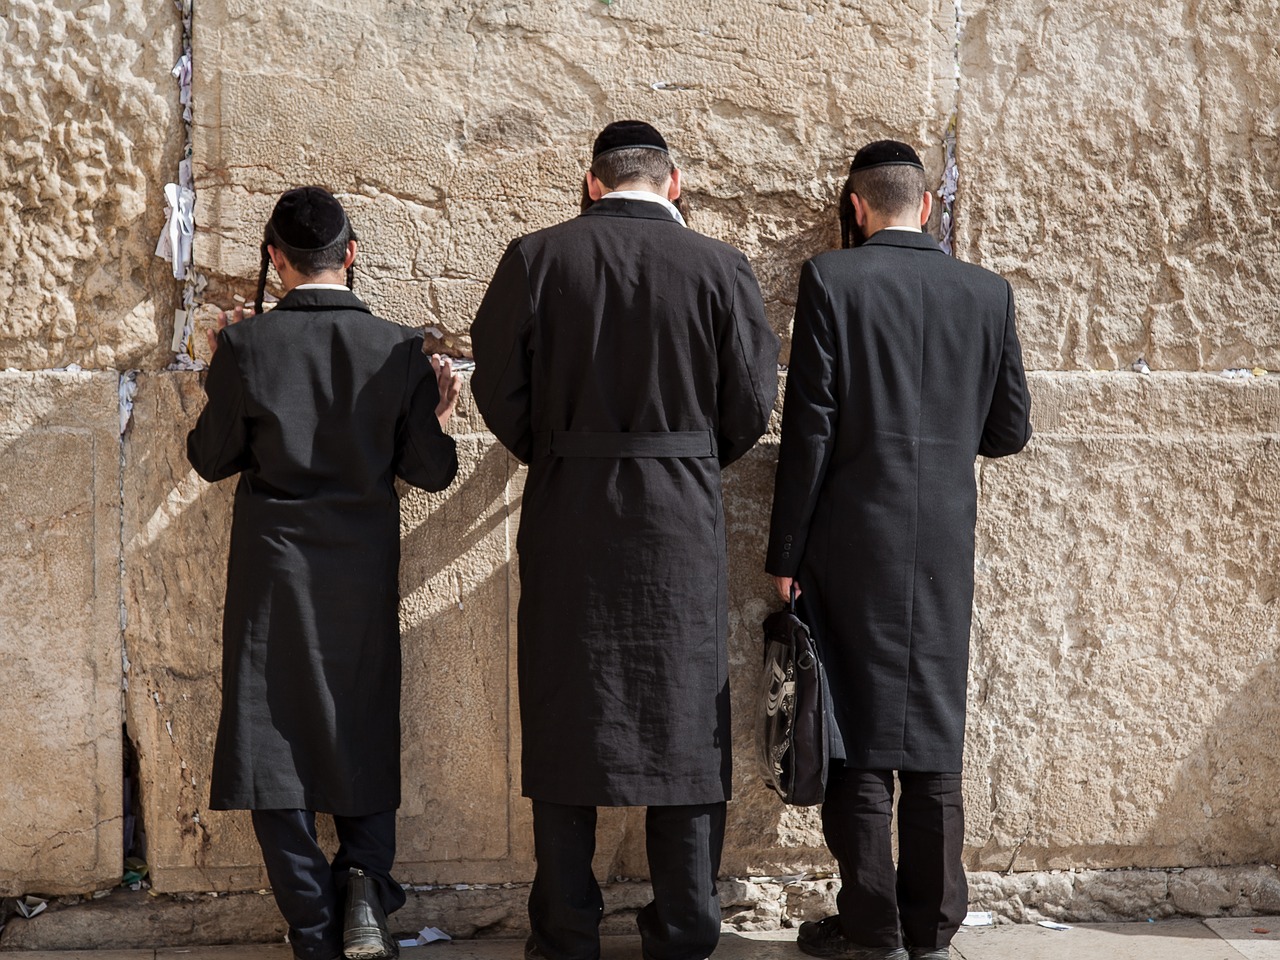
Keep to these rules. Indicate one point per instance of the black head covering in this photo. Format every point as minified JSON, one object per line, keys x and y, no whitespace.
{"x":308,"y":218}
{"x":627,"y":135}
{"x":304,"y":219}
{"x":884,"y":153}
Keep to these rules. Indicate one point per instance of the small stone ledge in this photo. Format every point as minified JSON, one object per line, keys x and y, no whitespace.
{"x":123,"y":919}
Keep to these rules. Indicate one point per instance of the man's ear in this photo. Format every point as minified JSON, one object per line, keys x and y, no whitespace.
{"x":278,"y":259}
{"x":595,"y":187}
{"x":859,"y":211}
{"x":673,"y":191}
{"x":350,"y":258}
{"x":926,"y":207}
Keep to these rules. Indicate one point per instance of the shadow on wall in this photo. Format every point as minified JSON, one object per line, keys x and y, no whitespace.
{"x":1224,"y":790}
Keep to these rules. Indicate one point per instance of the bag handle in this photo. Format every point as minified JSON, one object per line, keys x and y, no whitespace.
{"x":805,"y":658}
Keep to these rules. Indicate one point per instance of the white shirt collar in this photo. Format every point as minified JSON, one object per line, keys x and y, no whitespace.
{"x":321,"y":286}
{"x":651,"y":197}
{"x":904,"y":229}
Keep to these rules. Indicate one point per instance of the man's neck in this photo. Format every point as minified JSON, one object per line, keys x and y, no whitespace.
{"x":637,"y":186}
{"x":876,"y":224}
{"x":293,"y":279}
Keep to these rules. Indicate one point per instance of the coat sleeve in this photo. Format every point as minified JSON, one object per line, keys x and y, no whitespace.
{"x":501,"y":342}
{"x":218,"y":445}
{"x":748,"y":374}
{"x":1008,"y":425}
{"x":425,"y":455}
{"x":808,"y":426}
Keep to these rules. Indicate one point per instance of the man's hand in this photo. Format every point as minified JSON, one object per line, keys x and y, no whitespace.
{"x":241,"y":311}
{"x":450,"y":385}
{"x":784,"y":585}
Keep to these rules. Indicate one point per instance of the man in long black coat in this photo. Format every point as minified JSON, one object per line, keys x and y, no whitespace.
{"x":905,"y":365}
{"x":627,"y":360}
{"x":319,"y":406}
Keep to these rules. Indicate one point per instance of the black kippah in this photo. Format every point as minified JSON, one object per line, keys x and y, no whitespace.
{"x":308,"y":218}
{"x":884,"y":153}
{"x":627,"y":135}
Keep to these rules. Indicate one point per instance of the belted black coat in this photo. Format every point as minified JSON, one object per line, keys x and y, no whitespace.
{"x":319,"y":406}
{"x":627,"y":359}
{"x":905,"y":366}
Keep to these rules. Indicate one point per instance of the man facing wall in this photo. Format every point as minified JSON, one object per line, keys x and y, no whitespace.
{"x":627,"y":360}
{"x":905,"y":365}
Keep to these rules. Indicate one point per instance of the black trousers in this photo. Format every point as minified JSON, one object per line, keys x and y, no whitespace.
{"x":682,"y":922}
{"x":310,"y":890}
{"x":925,"y":898}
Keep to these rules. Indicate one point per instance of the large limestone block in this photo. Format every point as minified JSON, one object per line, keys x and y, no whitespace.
{"x":1123,"y":688}
{"x":61,"y":809}
{"x":450,"y":128}
{"x":460,"y":820}
{"x":1121,"y":165}
{"x":176,"y":533}
{"x":90,"y":131}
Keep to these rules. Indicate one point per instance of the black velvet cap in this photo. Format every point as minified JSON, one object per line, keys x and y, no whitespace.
{"x":627,"y":135}
{"x":884,"y":153}
{"x":307,"y":218}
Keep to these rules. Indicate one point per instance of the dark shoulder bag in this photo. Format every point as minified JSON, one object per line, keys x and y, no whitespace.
{"x":794,"y":711}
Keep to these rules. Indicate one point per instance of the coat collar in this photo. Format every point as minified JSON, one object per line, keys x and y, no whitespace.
{"x":903,"y":238}
{"x":321,"y":300}
{"x":619,"y":207}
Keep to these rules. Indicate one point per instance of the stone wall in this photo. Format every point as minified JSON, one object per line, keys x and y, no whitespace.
{"x":1120,"y":168}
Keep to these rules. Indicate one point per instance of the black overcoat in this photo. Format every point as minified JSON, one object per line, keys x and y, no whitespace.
{"x":627,"y":360}
{"x":319,"y":406}
{"x":905,"y":365}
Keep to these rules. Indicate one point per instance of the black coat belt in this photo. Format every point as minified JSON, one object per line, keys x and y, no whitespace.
{"x":581,"y":443}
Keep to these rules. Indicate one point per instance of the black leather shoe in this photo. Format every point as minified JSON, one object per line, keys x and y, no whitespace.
{"x":824,"y":938}
{"x":364,"y":925}
{"x":531,"y":951}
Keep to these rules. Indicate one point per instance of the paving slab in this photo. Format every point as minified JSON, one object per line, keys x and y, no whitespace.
{"x":1161,"y":940}
{"x":1256,"y":938}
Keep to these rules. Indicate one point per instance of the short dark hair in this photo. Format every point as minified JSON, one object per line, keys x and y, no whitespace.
{"x":306,"y":262}
{"x":890,"y":189}
{"x":625,"y":166}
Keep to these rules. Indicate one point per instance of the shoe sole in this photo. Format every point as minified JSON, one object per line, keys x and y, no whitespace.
{"x":367,"y":951}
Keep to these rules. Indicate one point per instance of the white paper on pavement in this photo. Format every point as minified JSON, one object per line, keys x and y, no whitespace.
{"x":426,"y":935}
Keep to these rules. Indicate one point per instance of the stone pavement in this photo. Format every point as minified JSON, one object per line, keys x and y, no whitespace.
{"x":1217,"y":939}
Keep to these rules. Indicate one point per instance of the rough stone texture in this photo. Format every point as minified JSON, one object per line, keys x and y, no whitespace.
{"x":1121,"y":165}
{"x":90,"y":131}
{"x":471,"y":122}
{"x":176,"y":533}
{"x":60,"y":806}
{"x":1098,"y":896}
{"x":1124,"y":649}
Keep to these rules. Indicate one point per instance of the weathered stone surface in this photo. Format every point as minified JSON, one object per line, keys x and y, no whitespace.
{"x":1099,"y":896}
{"x":1231,"y":891}
{"x":61,"y":805}
{"x":176,"y":533}
{"x":1126,"y":629}
{"x":1121,"y":166}
{"x":90,"y":131}
{"x":460,"y":819}
{"x":463,"y":125}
